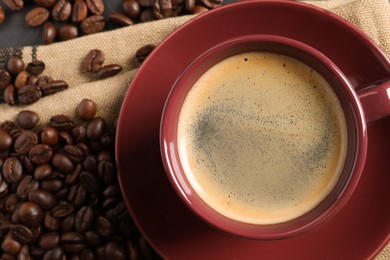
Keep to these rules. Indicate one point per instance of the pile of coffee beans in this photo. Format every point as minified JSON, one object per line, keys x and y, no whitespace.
{"x":93,"y":64}
{"x":64,"y":19}
{"x":59,"y":191}
{"x":25,"y":84}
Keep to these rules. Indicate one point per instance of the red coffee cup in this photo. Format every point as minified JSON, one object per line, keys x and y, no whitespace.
{"x":359,"y":109}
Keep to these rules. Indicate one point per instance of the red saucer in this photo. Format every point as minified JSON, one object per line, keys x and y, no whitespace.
{"x":358,"y":231}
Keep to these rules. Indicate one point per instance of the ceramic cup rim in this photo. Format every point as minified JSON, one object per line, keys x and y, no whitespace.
{"x":357,"y":136}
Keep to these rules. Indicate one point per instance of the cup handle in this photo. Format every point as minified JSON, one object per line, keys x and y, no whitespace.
{"x":376,"y":101}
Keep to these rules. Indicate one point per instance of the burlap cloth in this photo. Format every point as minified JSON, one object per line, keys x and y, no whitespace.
{"x":63,"y":59}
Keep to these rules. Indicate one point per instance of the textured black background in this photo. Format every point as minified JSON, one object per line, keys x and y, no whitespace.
{"x":15,"y":33}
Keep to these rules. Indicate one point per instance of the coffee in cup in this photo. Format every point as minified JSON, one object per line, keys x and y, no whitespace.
{"x":262,"y":138}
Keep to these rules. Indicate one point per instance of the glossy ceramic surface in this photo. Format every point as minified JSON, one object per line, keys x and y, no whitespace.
{"x":358,"y":231}
{"x":354,"y":114}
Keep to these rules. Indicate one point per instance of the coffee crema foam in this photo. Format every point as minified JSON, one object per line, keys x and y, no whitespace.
{"x":262,"y":138}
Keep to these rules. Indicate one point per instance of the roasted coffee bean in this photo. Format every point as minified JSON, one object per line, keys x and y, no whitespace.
{"x":143,"y":52}
{"x":84,"y":219}
{"x":106,"y":172}
{"x":2,"y":15}
{"x":27,"y":119}
{"x":92,"y":239}
{"x":108,"y":71}
{"x":73,"y":177}
{"x":147,"y":15}
{"x":111,"y":191}
{"x":66,"y":138}
{"x":14,"y":5}
{"x":105,"y":156}
{"x":53,"y":87}
{"x":5,"y":140}
{"x":120,"y":19}
{"x":67,"y":32}
{"x":8,"y":126}
{"x":100,"y":252}
{"x":131,"y":8}
{"x":21,"y":79}
{"x":61,"y":10}
{"x":74,"y":153}
{"x":115,"y":250}
{"x":30,"y":214}
{"x":89,"y":163}
{"x":37,"y":16}
{"x":10,"y":245}
{"x":15,"y":218}
{"x":11,"y":203}
{"x":108,"y":141}
{"x":35,"y":67}
{"x":26,"y":186}
{"x":32,"y":80}
{"x":3,"y":188}
{"x":200,"y":9}
{"x":93,"y":61}
{"x":62,"y":163}
{"x":77,"y":195}
{"x":52,"y":185}
{"x":93,"y":24}
{"x":67,"y":223}
{"x":43,"y":80}
{"x":5,"y":78}
{"x":49,"y":135}
{"x":79,"y":133}
{"x":61,"y":122}
{"x":95,"y":6}
{"x":43,"y":171}
{"x":109,"y":203}
{"x":29,"y":94}
{"x":41,"y":154}
{"x":50,"y":222}
{"x":212,"y":3}
{"x":36,"y":251}
{"x":22,"y":234}
{"x":163,"y":9}
{"x":9,"y":95}
{"x":79,"y":11}
{"x":121,"y":211}
{"x":190,"y":6}
{"x":49,"y":33}
{"x":62,"y":194}
{"x":12,"y":170}
{"x":24,"y":253}
{"x":90,"y":182}
{"x":49,"y":240}
{"x":62,"y":209}
{"x":103,"y":227}
{"x":74,"y":249}
{"x":72,"y":237}
{"x":15,"y":65}
{"x":25,"y":142}
{"x":44,"y":199}
{"x":27,"y":165}
{"x":86,"y":110}
{"x":96,"y":128}
{"x":54,"y":254}
{"x":146,"y":3}
{"x":87,"y":255}
{"x":45,"y":3}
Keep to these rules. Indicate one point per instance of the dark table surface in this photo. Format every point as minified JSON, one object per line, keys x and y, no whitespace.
{"x":14,"y":31}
